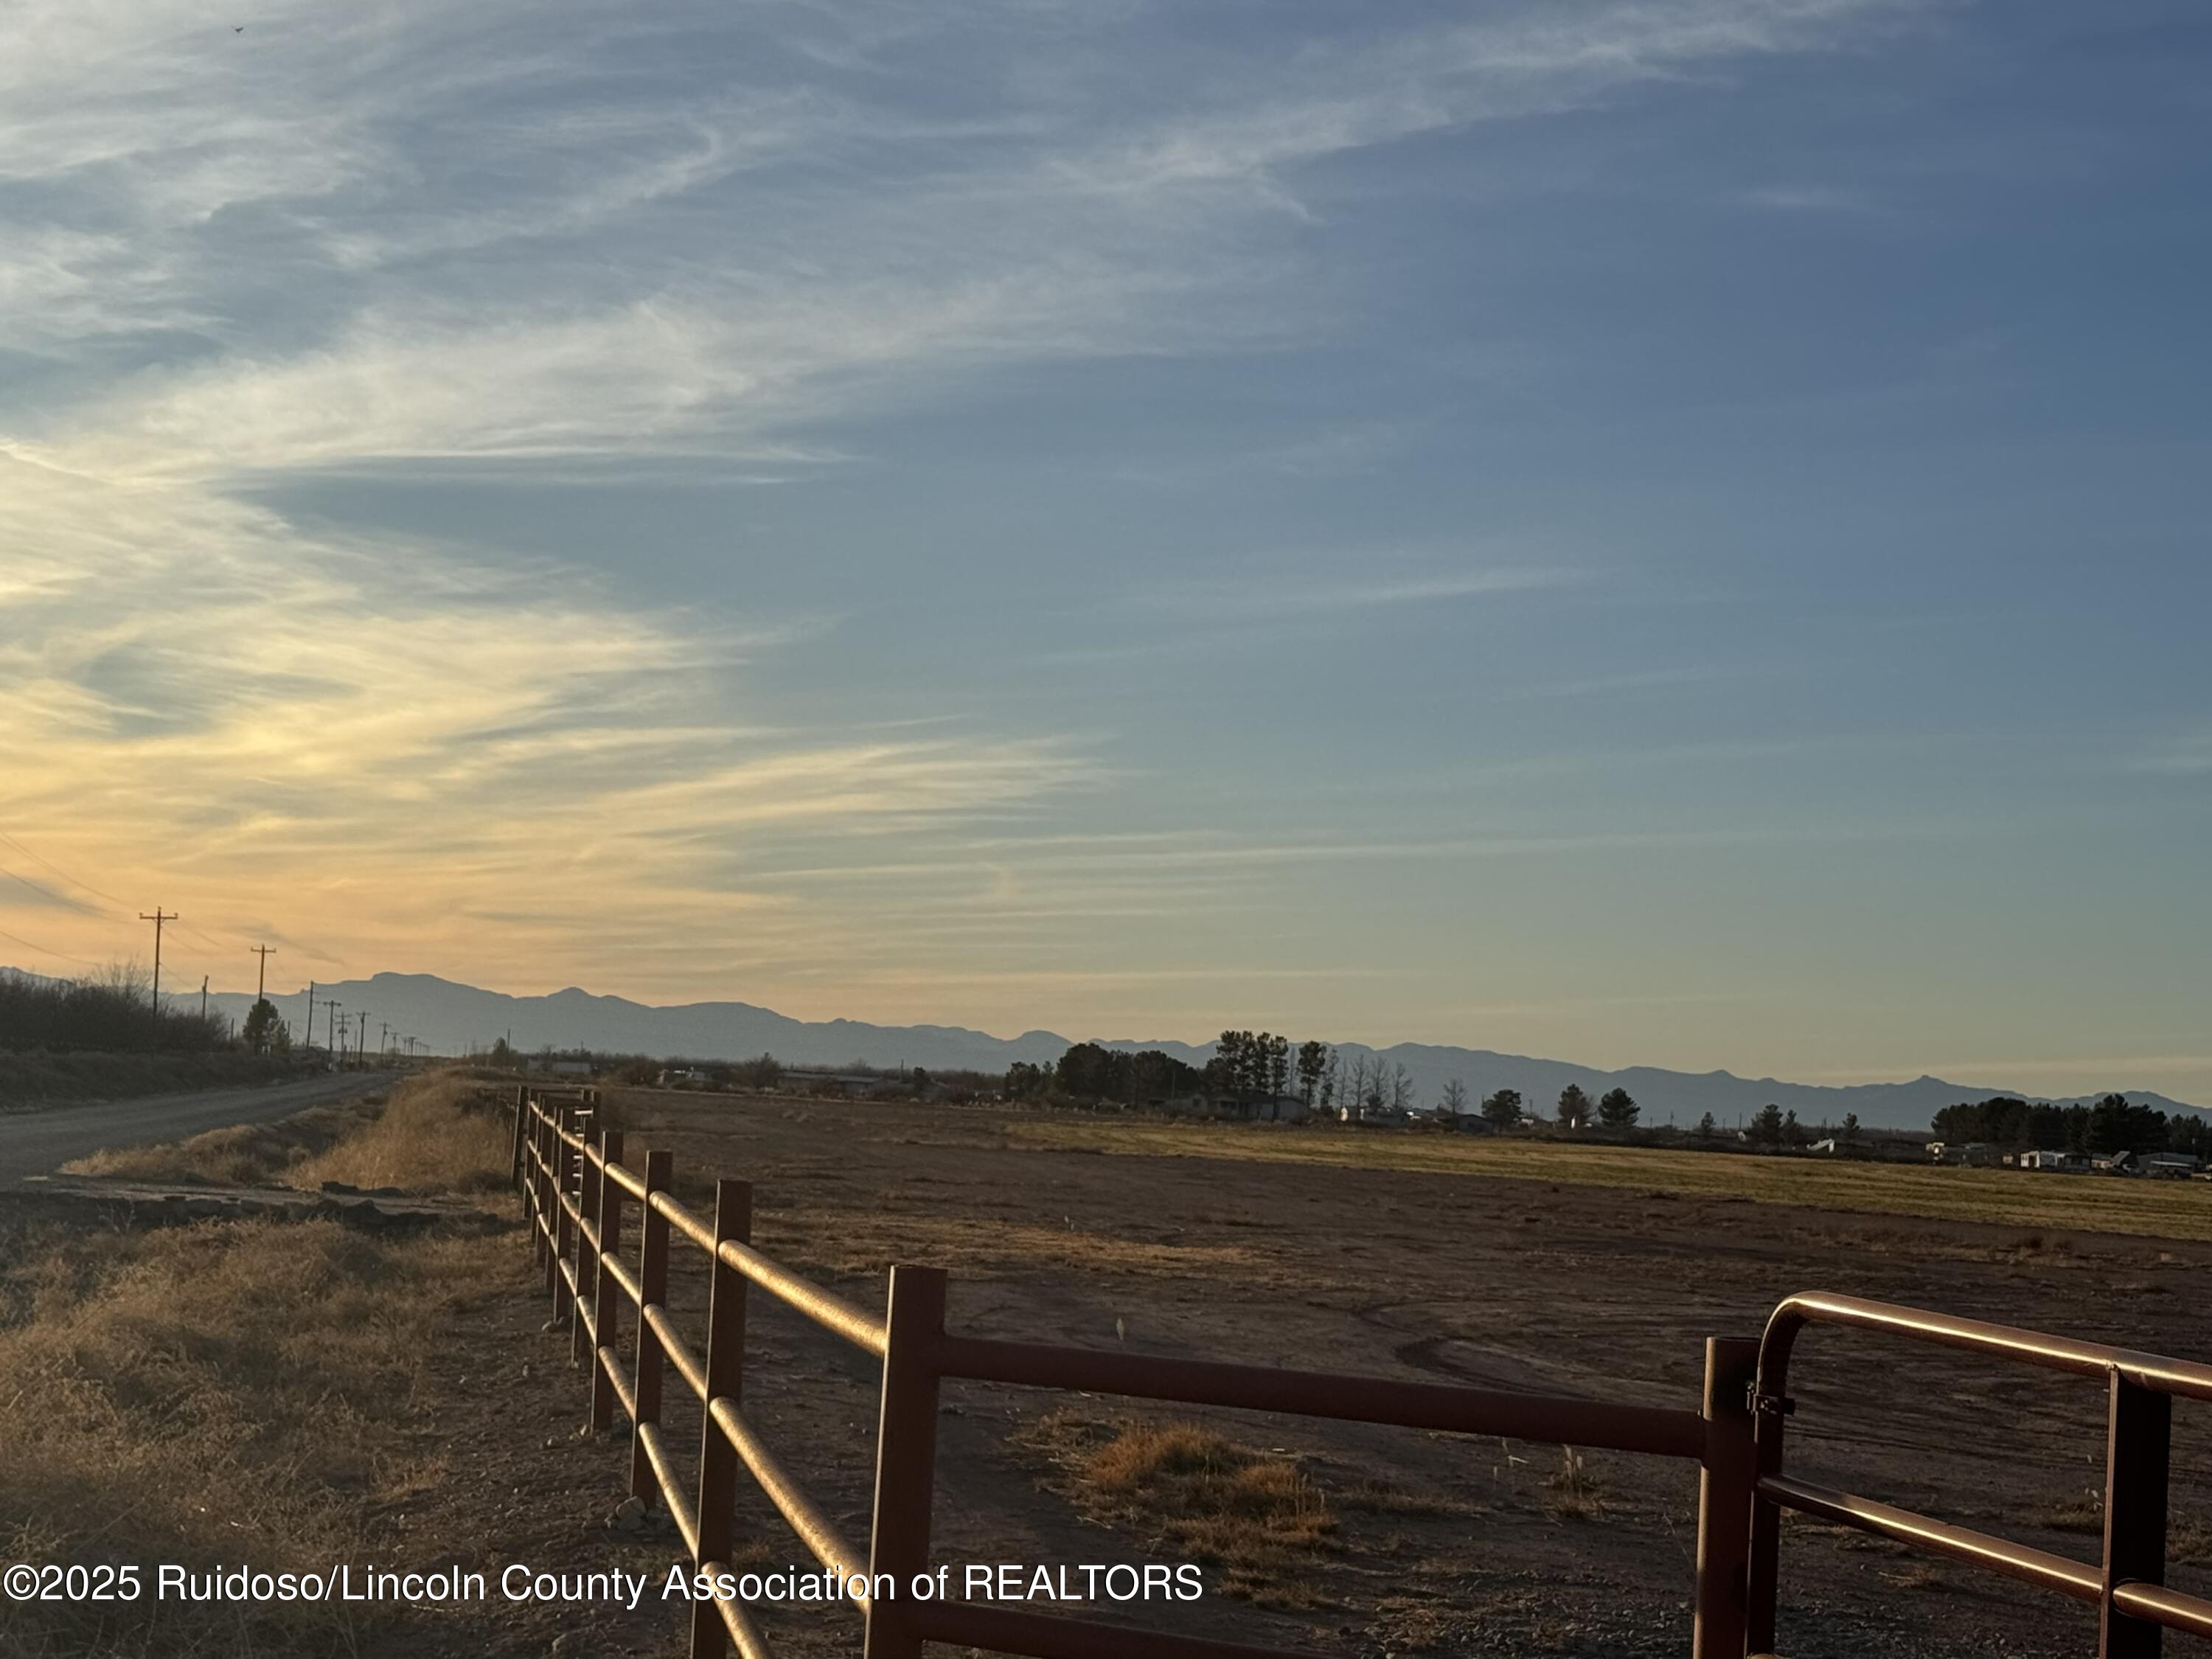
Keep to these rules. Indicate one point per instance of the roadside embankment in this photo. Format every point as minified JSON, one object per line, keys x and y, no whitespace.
{"x":231,"y":1391}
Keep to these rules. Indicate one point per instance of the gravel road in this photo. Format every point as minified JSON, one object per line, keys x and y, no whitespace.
{"x":41,"y":1142}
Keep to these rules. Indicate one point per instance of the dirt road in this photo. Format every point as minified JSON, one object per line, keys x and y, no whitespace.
{"x":38,"y":1143}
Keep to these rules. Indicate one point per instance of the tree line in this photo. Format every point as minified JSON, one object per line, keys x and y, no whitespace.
{"x":2113,"y":1124}
{"x":110,"y":1012}
{"x":1256,"y":1066}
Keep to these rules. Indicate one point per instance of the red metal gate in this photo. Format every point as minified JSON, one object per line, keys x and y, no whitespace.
{"x":2128,"y":1587}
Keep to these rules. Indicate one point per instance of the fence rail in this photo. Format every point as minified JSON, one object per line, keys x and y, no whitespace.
{"x":578,"y":1192}
{"x":2127,"y":1586}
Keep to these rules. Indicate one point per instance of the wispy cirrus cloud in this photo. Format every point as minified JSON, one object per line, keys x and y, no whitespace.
{"x":1271,"y":594}
{"x":520,"y":236}
{"x":401,"y":741}
{"x":2183,"y":755}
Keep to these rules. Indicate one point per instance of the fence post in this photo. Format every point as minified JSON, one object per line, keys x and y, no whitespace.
{"x":548,"y":1122}
{"x":1763,"y":1572}
{"x":592,"y":1178}
{"x":528,"y":1178}
{"x":544,"y":1131}
{"x":653,"y":1282}
{"x":2138,"y":1434}
{"x":725,"y":1360}
{"x":604,"y":1310}
{"x":560,"y":1151}
{"x":906,"y":1454}
{"x":521,"y":1109}
{"x":1725,"y":1483}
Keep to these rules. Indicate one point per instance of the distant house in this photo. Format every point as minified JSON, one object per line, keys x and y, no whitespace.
{"x":1974,"y":1154}
{"x":1827,"y":1145}
{"x":2172,"y":1166}
{"x":1374,"y":1113}
{"x":1235,"y":1109}
{"x":569,"y":1068}
{"x":821,"y":1079}
{"x":2065,"y":1162}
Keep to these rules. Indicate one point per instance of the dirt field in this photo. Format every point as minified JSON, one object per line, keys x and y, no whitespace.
{"x":1278,"y":1255}
{"x":1340,"y":1538}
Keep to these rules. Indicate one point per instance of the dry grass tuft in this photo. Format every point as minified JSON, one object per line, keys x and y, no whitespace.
{"x":2083,"y":1514}
{"x":206,"y":1394}
{"x":1385,"y":1498}
{"x":1221,"y":1503}
{"x":1577,"y":1494}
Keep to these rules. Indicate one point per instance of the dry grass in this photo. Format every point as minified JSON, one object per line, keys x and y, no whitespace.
{"x":2189,"y":1540}
{"x":37,"y":1078}
{"x":1577,"y":1493}
{"x":436,"y":1134}
{"x":239,"y":1154}
{"x":235,"y":1391}
{"x":1181,"y":1483}
{"x":209,"y":1394}
{"x":2083,"y":1514}
{"x":1374,"y":1497}
{"x":837,"y":1239}
{"x":2188,"y":1537}
{"x":433,"y":1134}
{"x":2156,"y":1209}
{"x":1917,"y":1578}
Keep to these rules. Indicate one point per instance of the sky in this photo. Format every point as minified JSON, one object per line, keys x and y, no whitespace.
{"x":1659,"y":533}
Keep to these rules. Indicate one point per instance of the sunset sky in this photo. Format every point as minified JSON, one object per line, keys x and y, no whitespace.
{"x":1666,"y":532}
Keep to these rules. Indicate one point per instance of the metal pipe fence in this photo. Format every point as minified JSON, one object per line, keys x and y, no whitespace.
{"x":578,"y":1192}
{"x":2127,"y":1586}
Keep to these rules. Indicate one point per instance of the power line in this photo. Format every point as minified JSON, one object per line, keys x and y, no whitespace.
{"x":47,"y":863}
{"x":47,"y":949}
{"x":62,"y":899}
{"x":50,"y":864}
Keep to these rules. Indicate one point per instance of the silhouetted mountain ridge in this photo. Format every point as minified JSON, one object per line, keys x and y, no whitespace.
{"x":451,"y":1017}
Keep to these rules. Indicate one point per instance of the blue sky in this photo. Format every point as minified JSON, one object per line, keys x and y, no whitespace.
{"x":1664,"y":533}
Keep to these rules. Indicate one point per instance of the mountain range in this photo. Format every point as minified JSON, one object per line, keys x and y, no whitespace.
{"x":453,"y":1019}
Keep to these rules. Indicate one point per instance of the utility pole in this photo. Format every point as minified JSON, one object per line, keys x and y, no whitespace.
{"x":384,"y":1037}
{"x":311,"y":1014}
{"x":157,"y":919}
{"x":203,"y":980}
{"x":360,"y":1049}
{"x":333,"y":1007}
{"x":261,"y":983}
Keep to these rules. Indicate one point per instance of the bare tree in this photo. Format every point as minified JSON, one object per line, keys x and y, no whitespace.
{"x":1455,"y":1098}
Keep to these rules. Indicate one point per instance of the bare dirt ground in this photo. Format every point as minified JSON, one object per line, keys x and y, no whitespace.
{"x":1417,"y":1543}
{"x":1337,"y":1539}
